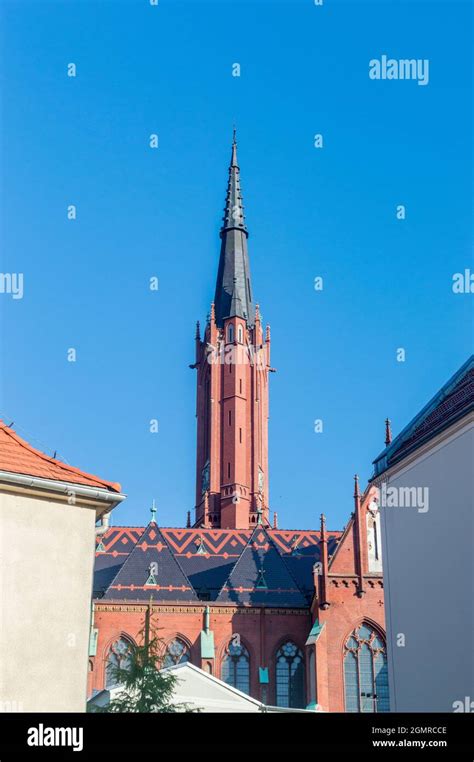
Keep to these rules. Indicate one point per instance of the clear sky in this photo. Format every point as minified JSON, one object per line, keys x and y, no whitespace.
{"x":311,"y":212}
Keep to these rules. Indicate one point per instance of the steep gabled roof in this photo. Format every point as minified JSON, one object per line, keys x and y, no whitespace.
{"x":207,"y":556}
{"x":18,"y":457}
{"x":150,"y":570}
{"x":261,"y":576}
{"x":454,"y":400}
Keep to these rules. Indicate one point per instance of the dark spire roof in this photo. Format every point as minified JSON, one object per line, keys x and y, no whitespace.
{"x":233,"y":291}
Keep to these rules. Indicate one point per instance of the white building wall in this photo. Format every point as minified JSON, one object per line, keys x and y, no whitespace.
{"x":46,"y":565}
{"x":428,"y":576}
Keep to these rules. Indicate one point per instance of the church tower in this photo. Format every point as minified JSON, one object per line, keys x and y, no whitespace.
{"x":232,"y":363}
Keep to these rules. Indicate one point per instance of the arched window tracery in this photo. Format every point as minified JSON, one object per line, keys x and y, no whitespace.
{"x":177,"y":652}
{"x":118,"y":657}
{"x":235,"y":668}
{"x":290,"y":676}
{"x":365,"y":671}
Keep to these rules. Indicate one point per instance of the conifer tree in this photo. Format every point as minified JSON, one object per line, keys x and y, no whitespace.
{"x":144,"y":687}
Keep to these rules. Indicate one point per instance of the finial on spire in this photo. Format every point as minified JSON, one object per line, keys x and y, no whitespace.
{"x":198,"y":330}
{"x":188,"y":520}
{"x":388,"y":431}
{"x":234,"y":135}
{"x":275,"y":520}
{"x":267,"y":334}
{"x":212,"y":315}
{"x":356,"y":486}
{"x":257,"y":313}
{"x":233,"y":162}
{"x":153,"y":511}
{"x":323,"y":526}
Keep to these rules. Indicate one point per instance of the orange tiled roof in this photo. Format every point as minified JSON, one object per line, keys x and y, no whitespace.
{"x":18,"y":457}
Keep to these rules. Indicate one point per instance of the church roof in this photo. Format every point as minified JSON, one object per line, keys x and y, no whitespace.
{"x":233,"y":297}
{"x":453,"y":401}
{"x":260,"y":576}
{"x":19,"y":457}
{"x":150,"y":569}
{"x":214,"y":562}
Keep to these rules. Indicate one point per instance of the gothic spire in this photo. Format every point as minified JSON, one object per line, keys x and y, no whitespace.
{"x":233,"y":291}
{"x":234,"y":210}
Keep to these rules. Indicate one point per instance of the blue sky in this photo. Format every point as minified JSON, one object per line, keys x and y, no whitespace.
{"x":310,"y":212}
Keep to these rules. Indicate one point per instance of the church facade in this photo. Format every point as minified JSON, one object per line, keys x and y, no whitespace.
{"x":294,"y":618}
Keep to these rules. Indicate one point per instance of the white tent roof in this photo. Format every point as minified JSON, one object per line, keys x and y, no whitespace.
{"x":203,"y":691}
{"x":197,"y":689}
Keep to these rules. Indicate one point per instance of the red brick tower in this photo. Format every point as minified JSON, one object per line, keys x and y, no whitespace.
{"x":232,"y":362}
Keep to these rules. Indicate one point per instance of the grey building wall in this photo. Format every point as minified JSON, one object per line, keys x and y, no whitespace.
{"x":428,"y":574}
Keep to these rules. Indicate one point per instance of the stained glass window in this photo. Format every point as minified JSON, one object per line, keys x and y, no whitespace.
{"x":365,"y":671}
{"x":117,"y":658}
{"x":177,"y":652}
{"x":236,"y":667}
{"x":290,"y":676}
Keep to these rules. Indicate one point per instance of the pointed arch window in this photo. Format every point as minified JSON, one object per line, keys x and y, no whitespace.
{"x":177,"y":652}
{"x":235,"y":669}
{"x":365,"y":671}
{"x":117,"y":658}
{"x":290,"y":676}
{"x":240,"y":334}
{"x":230,"y":333}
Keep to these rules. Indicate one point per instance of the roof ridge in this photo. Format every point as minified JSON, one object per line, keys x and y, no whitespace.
{"x":114,"y":486}
{"x":316,"y":531}
{"x":219,"y":529}
{"x":416,"y":421}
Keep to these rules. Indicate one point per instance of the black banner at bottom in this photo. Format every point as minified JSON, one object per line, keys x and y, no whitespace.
{"x":122,"y":736}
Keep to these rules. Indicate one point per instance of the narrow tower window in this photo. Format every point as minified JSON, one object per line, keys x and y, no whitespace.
{"x":240,"y":436}
{"x":240,"y":334}
{"x":230,"y":333}
{"x":230,"y":417}
{"x":228,"y":470}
